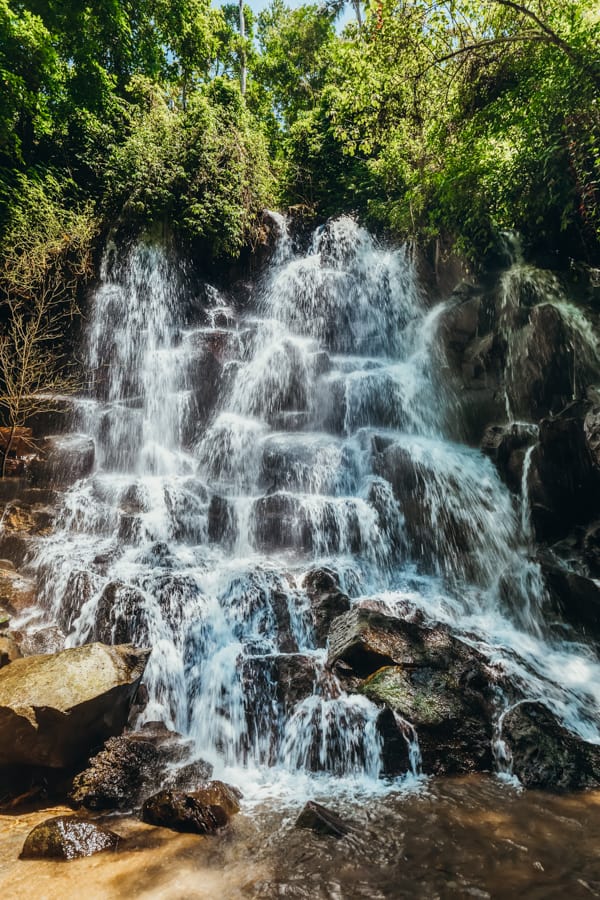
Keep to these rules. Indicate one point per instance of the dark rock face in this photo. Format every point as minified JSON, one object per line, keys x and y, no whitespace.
{"x":321,"y":820}
{"x":591,"y":549}
{"x":327,"y":601}
{"x":121,"y":617}
{"x":132,"y":766}
{"x":204,"y":812}
{"x":544,"y":754}
{"x":576,"y":597}
{"x":221,"y":520}
{"x":55,"y":709}
{"x":427,"y":678}
{"x":67,"y":837}
{"x":540,"y":375}
{"x":564,"y":485}
{"x":506,"y":445}
{"x":296,"y":677}
{"x":62,"y":460}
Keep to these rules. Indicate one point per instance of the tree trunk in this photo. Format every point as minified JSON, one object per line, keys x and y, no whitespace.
{"x":356,"y":5}
{"x":243,"y":72}
{"x":11,"y":435}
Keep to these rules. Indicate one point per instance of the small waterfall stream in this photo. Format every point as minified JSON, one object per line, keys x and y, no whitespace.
{"x":239,"y":449}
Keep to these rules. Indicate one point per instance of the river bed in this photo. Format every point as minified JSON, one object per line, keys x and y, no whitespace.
{"x":462,"y":837}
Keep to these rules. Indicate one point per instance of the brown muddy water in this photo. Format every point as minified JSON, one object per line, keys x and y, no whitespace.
{"x":469,"y":837}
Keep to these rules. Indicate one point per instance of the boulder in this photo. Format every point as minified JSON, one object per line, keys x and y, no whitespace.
{"x":576,"y":597}
{"x":67,"y":837}
{"x":327,"y":601}
{"x":40,"y":639}
{"x":564,"y":483}
{"x":506,"y":445}
{"x":544,"y":754}
{"x":187,"y":812}
{"x":539,"y":377}
{"x":367,"y":639}
{"x":62,"y":460}
{"x":133,"y":766}
{"x":296,"y":676}
{"x":55,"y":709}
{"x":449,"y":710}
{"x":9,"y":650}
{"x":121,"y":615}
{"x":429,"y":680}
{"x":20,"y":517}
{"x":17,"y":590}
{"x":217,"y":793}
{"x":321,"y":820}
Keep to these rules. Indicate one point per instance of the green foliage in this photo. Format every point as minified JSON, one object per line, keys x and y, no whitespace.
{"x":204,"y":169}
{"x":462,"y":117}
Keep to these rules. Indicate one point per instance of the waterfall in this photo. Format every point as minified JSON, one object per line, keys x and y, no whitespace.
{"x":239,"y":448}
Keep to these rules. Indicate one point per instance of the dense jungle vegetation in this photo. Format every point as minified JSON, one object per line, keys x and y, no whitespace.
{"x":460,"y":118}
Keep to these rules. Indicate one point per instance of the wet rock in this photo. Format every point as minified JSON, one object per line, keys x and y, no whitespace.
{"x":55,"y":709}
{"x":134,"y":499}
{"x":576,"y":597}
{"x":184,"y":812}
{"x":321,"y":820}
{"x":132,"y":766}
{"x":449,"y":708}
{"x":564,"y":486}
{"x":459,"y":322}
{"x":367,"y":639}
{"x":221,"y":520}
{"x":188,"y":776}
{"x":9,"y":650}
{"x":506,"y":445}
{"x":591,"y":431}
{"x":67,"y":837}
{"x":17,"y":591}
{"x":24,"y":518}
{"x":121,"y":615}
{"x":591,"y":549}
{"x":327,"y":601}
{"x":62,"y":460}
{"x":539,"y":378}
{"x":283,"y":521}
{"x":440,"y":532}
{"x":158,"y":555}
{"x":42,"y":639}
{"x":80,"y":587}
{"x":296,"y":677}
{"x":426,"y":678}
{"x":217,"y":793}
{"x":544,"y":754}
{"x":130,"y":529}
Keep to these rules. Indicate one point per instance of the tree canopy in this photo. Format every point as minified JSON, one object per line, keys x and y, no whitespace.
{"x":463,"y":117}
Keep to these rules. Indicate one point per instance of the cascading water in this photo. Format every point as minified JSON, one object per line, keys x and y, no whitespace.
{"x":236,"y":451}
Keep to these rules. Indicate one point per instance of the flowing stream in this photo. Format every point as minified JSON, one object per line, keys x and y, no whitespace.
{"x":239,"y":448}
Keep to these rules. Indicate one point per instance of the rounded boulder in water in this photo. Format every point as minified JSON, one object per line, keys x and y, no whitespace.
{"x":200,"y":812}
{"x":67,"y":837}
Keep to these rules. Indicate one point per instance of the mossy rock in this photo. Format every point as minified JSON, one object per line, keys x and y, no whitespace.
{"x":423,"y":696}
